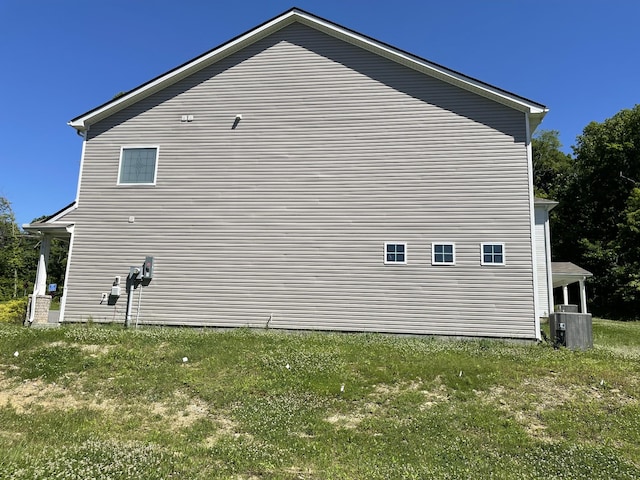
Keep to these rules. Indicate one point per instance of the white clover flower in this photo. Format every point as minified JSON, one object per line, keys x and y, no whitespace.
{"x":15,"y":354}
{"x":185,"y":359}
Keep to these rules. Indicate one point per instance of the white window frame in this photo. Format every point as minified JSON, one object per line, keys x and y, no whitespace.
{"x":155,"y":172}
{"x":496,"y":264}
{"x":388,"y":262}
{"x":433,"y":253}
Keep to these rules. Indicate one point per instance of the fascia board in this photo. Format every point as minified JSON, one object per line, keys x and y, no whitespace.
{"x":61,"y":213}
{"x":535,"y":110}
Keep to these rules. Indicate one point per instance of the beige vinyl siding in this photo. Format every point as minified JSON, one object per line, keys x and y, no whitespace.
{"x":285,"y":216}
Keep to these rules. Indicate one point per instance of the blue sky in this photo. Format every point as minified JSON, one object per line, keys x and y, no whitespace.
{"x":61,"y":58}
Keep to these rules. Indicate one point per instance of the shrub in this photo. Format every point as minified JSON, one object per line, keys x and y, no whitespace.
{"x":13,"y":311}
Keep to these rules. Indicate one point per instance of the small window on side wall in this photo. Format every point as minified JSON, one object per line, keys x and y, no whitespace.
{"x":492,"y":254}
{"x":138,"y":166}
{"x":443,"y":254}
{"x":395,"y":253}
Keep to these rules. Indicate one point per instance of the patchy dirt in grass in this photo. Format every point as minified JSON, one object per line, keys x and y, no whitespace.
{"x":181,"y":411}
{"x":437,"y":394}
{"x":349,"y":422}
{"x":534,"y":396}
{"x":92,"y":350}
{"x":226,"y":428}
{"x":26,"y":396}
{"x":382,"y":394}
{"x":300,"y":472}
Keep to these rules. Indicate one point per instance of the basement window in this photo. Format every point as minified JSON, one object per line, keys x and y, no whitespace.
{"x":138,"y":166}
{"x":443,"y":254}
{"x":395,"y":253}
{"x":492,"y":254}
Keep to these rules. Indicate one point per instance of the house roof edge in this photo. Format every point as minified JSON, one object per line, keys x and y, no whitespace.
{"x":534,"y":109}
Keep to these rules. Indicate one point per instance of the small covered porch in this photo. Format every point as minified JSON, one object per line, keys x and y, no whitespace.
{"x":38,"y":309}
{"x":565,"y":274}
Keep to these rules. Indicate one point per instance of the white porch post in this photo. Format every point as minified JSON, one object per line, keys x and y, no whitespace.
{"x":583,"y":297}
{"x":565,"y":294}
{"x":40,"y":287}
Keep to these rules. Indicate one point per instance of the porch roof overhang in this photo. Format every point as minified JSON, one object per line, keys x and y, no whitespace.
{"x":53,"y":225}
{"x":58,"y":230}
{"x":565,"y":273}
{"x":545,"y":203}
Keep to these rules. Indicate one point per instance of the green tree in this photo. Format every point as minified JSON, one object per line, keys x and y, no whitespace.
{"x":597,"y":219}
{"x":19,"y":256}
{"x":551,"y":166}
{"x":628,"y":250}
{"x":11,"y":253}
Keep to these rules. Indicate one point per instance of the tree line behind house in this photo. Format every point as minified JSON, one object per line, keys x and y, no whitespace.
{"x":596,"y":224}
{"x":19,"y":257}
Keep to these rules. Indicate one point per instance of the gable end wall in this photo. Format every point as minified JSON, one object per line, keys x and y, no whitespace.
{"x":283,"y":218}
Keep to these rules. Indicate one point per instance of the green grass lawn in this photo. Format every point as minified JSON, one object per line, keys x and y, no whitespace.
{"x":84,"y":402}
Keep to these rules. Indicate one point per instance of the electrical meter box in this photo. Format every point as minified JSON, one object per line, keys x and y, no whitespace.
{"x":147,"y":268}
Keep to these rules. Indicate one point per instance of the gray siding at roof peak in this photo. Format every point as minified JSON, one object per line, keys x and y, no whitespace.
{"x":297,"y":41}
{"x":285,"y":215}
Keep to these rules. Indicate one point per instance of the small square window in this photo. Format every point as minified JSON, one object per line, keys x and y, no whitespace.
{"x":492,"y":254}
{"x":138,"y":166}
{"x":443,"y":254}
{"x":395,"y":253}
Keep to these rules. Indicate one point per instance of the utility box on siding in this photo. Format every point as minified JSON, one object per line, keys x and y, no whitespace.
{"x":572,"y":330}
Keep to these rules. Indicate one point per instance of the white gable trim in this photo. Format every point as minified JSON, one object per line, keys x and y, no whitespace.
{"x":535,"y":110}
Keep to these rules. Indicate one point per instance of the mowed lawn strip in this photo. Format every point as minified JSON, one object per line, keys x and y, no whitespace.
{"x":103,"y":402}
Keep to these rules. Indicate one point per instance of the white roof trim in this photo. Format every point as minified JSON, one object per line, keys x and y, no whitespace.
{"x":516,"y":102}
{"x":55,"y":229}
{"x":545,"y":203}
{"x":52,"y":223}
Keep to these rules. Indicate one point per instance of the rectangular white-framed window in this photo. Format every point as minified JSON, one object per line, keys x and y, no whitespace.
{"x":395,"y":253}
{"x":138,"y":165}
{"x":492,"y":253}
{"x":443,"y":253}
